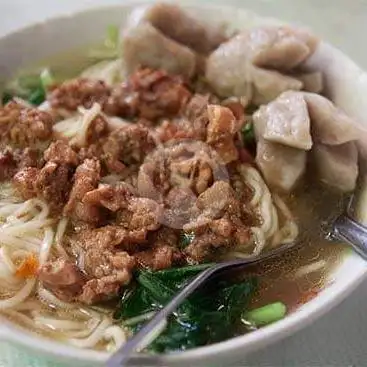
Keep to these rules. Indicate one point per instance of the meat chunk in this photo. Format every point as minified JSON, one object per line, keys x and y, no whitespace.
{"x":8,"y":165}
{"x":281,"y":166}
{"x":79,"y":92}
{"x":109,"y":271}
{"x":105,"y":238}
{"x":164,"y":252}
{"x":221,"y":130}
{"x":201,"y":248}
{"x":180,"y":26}
{"x":146,"y":214}
{"x":128,"y":144}
{"x":61,"y":153}
{"x":63,"y":278}
{"x":236,"y":67}
{"x":11,"y":160}
{"x":285,"y":121}
{"x":149,"y":94}
{"x":110,"y":197}
{"x":337,"y":165}
{"x":106,"y":266}
{"x":24,"y":126}
{"x":330,"y":125}
{"x":222,"y":222}
{"x":197,"y":107}
{"x":144,"y":45}
{"x":217,"y":199}
{"x":86,"y":178}
{"x":24,"y":182}
{"x":53,"y":184}
{"x":29,"y":157}
{"x":158,"y":258}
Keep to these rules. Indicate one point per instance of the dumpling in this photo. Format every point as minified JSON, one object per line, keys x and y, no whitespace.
{"x":281,"y":48}
{"x":312,"y":81}
{"x":178,"y":25}
{"x":281,"y":166}
{"x":330,"y":125}
{"x":144,"y":45}
{"x":236,"y":68}
{"x":285,"y":121}
{"x":228,"y":69}
{"x":337,"y":165}
{"x":269,"y":84}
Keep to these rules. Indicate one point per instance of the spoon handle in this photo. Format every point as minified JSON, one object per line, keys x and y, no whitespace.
{"x":352,"y":232}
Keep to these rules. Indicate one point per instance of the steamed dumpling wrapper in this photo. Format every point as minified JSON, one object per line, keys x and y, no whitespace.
{"x":304,"y":120}
{"x":330,"y":125}
{"x":281,"y":166}
{"x":312,"y":81}
{"x":269,"y":84}
{"x":180,"y":26}
{"x":236,"y":68}
{"x":144,"y":45}
{"x":163,"y":36}
{"x":336,"y":165}
{"x":281,"y":48}
{"x":285,"y":121}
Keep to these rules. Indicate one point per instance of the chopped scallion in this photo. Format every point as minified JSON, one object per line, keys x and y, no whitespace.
{"x":46,"y":78}
{"x":112,"y":38}
{"x":248,"y":133}
{"x":110,"y":47}
{"x":266,"y":315}
{"x":186,"y":239}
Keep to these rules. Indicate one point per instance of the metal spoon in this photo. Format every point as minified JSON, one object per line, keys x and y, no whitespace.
{"x":344,"y":228}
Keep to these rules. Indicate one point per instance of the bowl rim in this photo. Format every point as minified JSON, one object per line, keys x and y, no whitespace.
{"x":305,"y":315}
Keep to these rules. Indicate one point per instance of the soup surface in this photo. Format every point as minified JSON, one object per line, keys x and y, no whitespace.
{"x":147,"y":159}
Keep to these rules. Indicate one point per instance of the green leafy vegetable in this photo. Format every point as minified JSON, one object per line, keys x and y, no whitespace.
{"x":37,"y":96}
{"x":248,"y":134}
{"x":207,"y":316}
{"x":6,"y":97}
{"x":46,"y":78}
{"x":32,"y":87}
{"x":267,"y":314}
{"x":181,"y":275}
{"x":110,"y":47}
{"x":186,"y":239}
{"x":112,"y":38}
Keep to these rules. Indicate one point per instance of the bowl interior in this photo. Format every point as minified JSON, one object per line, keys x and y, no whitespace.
{"x":346,"y":85}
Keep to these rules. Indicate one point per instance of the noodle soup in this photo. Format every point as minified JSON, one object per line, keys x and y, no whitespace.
{"x":123,"y":181}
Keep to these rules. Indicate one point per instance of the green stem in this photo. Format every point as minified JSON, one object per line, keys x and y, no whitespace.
{"x":267,"y":314}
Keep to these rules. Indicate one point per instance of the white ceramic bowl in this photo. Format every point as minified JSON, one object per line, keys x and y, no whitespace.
{"x":346,"y":85}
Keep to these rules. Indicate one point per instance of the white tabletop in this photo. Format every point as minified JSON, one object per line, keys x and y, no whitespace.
{"x":340,"y":337}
